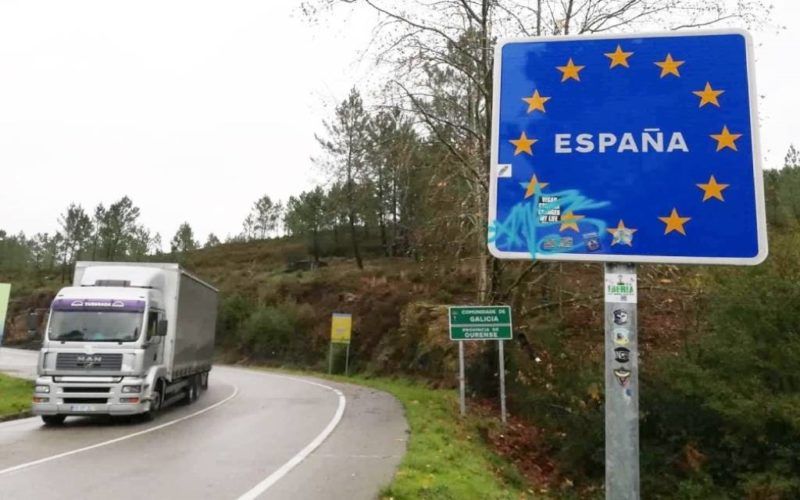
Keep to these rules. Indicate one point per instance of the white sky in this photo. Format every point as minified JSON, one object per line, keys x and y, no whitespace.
{"x":196,"y":108}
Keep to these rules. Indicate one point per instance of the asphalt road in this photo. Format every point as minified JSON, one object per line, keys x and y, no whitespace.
{"x":253,"y":434}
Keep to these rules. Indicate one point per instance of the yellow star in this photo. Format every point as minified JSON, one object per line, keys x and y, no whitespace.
{"x":618,"y":57}
{"x":669,"y":66}
{"x":622,"y":234}
{"x":712,"y":189}
{"x":523,"y":144}
{"x":536,"y":102}
{"x":570,"y":221}
{"x":708,"y":95}
{"x":674,"y":222}
{"x":725,"y":139}
{"x":534,"y":186}
{"x":570,"y":71}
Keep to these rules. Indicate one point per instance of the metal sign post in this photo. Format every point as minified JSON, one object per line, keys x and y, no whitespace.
{"x":347,"y":361}
{"x":622,"y":383}
{"x":462,"y":401}
{"x":502,"y":370}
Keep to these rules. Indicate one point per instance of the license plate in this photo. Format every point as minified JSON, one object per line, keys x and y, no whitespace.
{"x":81,"y":408}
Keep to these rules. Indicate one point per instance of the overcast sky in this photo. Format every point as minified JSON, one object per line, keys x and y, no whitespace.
{"x":196,"y":108}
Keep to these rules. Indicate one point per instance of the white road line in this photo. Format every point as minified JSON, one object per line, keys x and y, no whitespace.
{"x":305,"y":452}
{"x":121,"y":438}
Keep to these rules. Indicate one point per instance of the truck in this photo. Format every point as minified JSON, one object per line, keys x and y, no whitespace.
{"x":125,"y":339}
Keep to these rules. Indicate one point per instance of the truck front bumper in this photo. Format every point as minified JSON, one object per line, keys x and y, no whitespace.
{"x":89,"y":396}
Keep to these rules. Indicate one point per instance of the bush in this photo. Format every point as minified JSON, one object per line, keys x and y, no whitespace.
{"x":232,"y":313}
{"x":278,"y":333}
{"x":726,"y":414}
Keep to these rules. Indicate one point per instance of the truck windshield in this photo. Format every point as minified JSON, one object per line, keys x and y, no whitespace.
{"x":95,"y":326}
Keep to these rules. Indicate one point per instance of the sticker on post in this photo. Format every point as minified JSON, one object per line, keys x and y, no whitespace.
{"x":621,"y":287}
{"x":627,"y":394}
{"x":622,"y":355}
{"x":623,"y":376}
{"x":592,"y":241}
{"x":622,"y":336}
{"x":620,"y":316}
{"x":504,"y":170}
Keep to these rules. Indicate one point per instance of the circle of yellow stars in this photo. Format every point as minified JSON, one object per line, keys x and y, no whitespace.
{"x":669,"y":67}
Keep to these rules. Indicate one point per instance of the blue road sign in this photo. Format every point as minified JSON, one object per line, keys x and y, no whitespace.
{"x":630,"y":148}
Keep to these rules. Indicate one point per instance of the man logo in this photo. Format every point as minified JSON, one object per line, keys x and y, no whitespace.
{"x":88,"y":360}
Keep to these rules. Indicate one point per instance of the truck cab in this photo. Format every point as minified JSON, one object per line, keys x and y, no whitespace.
{"x":125,"y":339}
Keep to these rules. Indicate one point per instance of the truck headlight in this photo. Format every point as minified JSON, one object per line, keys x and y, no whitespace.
{"x":43,"y":388}
{"x":127,"y":389}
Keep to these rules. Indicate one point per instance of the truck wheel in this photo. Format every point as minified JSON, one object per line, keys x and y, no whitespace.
{"x":192,"y":389}
{"x":156,"y":402}
{"x":53,"y":420}
{"x":204,"y":381}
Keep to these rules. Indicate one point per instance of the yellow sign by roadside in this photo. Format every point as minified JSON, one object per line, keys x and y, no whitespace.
{"x":341,"y":326}
{"x":5,"y":292}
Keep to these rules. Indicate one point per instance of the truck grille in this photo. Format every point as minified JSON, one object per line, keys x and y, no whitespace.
{"x":80,"y":361}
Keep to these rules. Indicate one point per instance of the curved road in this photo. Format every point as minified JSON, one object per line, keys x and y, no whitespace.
{"x":253,"y":434}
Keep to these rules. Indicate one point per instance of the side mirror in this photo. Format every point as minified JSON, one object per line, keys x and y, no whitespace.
{"x":161,"y":328}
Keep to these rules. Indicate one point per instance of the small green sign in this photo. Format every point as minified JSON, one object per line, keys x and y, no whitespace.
{"x":480,"y":322}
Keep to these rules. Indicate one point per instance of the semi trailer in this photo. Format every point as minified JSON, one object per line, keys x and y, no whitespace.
{"x":125,"y":339}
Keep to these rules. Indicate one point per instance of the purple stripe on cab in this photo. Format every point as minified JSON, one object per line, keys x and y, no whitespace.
{"x":98,"y":305}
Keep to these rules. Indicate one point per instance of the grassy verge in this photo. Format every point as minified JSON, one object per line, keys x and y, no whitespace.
{"x":446,"y":456}
{"x":15,"y":396}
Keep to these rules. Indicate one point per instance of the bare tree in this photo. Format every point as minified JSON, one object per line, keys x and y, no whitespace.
{"x":441,"y":55}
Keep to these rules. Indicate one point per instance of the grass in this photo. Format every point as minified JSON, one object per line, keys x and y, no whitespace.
{"x":15,"y":396}
{"x":446,"y":457}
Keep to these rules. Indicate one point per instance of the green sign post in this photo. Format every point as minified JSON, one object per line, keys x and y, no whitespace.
{"x":481,"y":323}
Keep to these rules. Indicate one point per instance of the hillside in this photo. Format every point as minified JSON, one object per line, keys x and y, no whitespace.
{"x":720,"y":349}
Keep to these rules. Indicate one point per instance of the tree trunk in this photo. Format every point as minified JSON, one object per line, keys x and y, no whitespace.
{"x":351,"y":210}
{"x":393,"y":246}
{"x":64,"y":262}
{"x":384,"y":242}
{"x":315,"y":244}
{"x":485,"y":275}
{"x":354,"y":240}
{"x":381,"y":204}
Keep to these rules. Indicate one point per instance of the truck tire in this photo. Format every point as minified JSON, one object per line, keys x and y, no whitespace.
{"x":204,"y":381}
{"x":156,"y":403}
{"x":53,"y":420}
{"x":192,"y":390}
